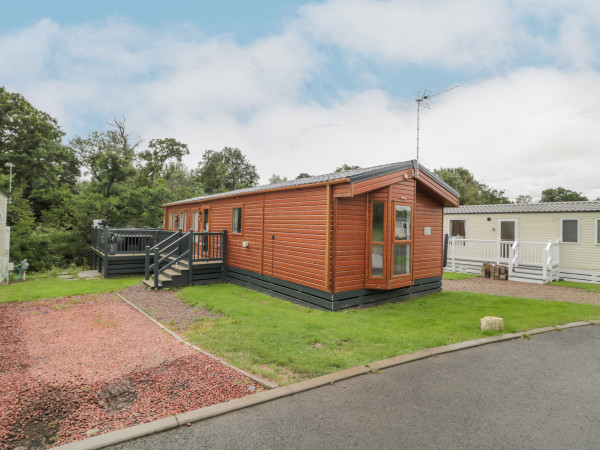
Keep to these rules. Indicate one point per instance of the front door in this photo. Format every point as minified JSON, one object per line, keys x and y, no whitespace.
{"x":508,"y":236}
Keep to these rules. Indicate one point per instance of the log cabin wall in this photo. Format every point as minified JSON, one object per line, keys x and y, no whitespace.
{"x":285,"y":231}
{"x":428,"y":249}
{"x":350,"y":237}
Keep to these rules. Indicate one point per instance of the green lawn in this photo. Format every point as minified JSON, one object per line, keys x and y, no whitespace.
{"x":287,"y":342}
{"x":48,"y":286}
{"x":584,"y":286}
{"x":458,"y":276}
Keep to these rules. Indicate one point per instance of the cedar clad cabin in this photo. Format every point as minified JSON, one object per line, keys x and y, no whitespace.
{"x":332,"y":241}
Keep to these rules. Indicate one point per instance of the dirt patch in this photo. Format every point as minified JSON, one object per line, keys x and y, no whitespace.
{"x":519,"y":289}
{"x":165,"y":307}
{"x":78,"y":366}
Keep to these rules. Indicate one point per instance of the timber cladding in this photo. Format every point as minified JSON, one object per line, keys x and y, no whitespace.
{"x":319,"y":235}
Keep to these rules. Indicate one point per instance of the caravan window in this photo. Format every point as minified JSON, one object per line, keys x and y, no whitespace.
{"x":458,"y":228}
{"x":569,"y":231}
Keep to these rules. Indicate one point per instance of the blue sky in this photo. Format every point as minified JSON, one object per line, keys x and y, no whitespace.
{"x":307,"y":86}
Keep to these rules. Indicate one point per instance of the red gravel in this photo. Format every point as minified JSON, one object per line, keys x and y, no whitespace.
{"x":72,"y":365}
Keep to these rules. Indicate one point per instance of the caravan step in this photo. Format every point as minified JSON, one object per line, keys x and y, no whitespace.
{"x":150,"y":283}
{"x":172,"y":272}
{"x":528,"y":270}
{"x":526,"y":280}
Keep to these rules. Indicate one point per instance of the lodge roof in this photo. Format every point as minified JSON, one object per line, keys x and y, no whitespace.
{"x":353,"y":176}
{"x":526,"y":208}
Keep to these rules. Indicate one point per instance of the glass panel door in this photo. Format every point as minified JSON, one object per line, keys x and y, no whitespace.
{"x":377,"y":239}
{"x":402,"y":240}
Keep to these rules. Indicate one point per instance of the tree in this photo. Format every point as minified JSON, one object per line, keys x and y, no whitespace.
{"x":303,"y":175}
{"x":560,"y":194}
{"x":346,"y":168}
{"x":153,"y":162}
{"x":524,"y":198}
{"x":226,"y":170}
{"x":32,"y":141}
{"x":277,"y":179}
{"x":472,"y":192}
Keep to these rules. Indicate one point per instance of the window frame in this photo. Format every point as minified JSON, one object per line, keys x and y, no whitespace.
{"x":171,"y":221}
{"x":241,"y":219}
{"x":384,"y":265}
{"x":403,"y":242}
{"x":562,"y":241}
{"x":450,"y":228}
{"x":597,"y":231}
{"x":183,"y":220}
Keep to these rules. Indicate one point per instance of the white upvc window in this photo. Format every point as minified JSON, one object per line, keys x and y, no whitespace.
{"x":598,"y":231}
{"x":569,"y":231}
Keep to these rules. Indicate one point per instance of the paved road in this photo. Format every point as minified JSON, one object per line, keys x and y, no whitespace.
{"x":538,"y":393}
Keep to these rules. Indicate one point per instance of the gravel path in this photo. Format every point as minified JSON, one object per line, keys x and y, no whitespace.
{"x":164,"y":306}
{"x":85,"y":365}
{"x":519,"y":289}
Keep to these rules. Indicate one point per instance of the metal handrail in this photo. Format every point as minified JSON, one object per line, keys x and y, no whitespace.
{"x":163,"y":241}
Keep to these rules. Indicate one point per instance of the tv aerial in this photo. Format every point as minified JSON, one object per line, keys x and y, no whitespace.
{"x":423,"y":96}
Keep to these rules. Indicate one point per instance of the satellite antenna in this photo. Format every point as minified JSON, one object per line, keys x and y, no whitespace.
{"x":422,"y":97}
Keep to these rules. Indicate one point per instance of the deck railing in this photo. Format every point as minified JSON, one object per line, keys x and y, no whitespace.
{"x":527,"y":253}
{"x":190,"y":247}
{"x":116,"y":241}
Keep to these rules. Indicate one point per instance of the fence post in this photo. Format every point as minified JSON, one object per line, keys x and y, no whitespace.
{"x":191,"y":257}
{"x":147,"y":268}
{"x":179,"y":243}
{"x":499,"y":250}
{"x":223,"y":254}
{"x":106,"y":253}
{"x":453,"y":254}
{"x":545,"y":265}
{"x":156,"y":264}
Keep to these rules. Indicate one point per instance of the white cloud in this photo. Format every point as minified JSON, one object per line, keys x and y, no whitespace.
{"x":448,"y":34}
{"x":525,"y":131}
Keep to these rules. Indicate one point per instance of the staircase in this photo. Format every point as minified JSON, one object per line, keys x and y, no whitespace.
{"x":176,"y":275}
{"x":527,"y":274}
{"x":184,"y":259}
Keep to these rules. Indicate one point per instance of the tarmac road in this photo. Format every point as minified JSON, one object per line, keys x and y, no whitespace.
{"x":541,"y":392}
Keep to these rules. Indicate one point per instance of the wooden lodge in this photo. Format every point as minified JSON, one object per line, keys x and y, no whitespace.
{"x":332,"y":241}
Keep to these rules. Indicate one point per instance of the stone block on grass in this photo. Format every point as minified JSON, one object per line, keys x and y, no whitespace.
{"x":492,"y":323}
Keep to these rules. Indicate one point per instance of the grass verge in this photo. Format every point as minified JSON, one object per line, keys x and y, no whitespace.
{"x":458,"y":276}
{"x":583,"y":286}
{"x":47,"y":286}
{"x":288,"y":343}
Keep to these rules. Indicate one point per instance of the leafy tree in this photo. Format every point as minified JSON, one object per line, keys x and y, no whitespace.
{"x":524,"y":198}
{"x":277,"y":179}
{"x":226,"y":170}
{"x":472,"y":192}
{"x":30,"y":139}
{"x":153,"y":162}
{"x":346,"y":168}
{"x":303,"y":175}
{"x":560,"y":194}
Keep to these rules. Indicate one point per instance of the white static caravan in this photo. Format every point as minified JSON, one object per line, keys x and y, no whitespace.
{"x":540,"y":242}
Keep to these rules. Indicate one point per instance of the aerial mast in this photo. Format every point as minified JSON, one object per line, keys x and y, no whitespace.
{"x":422,"y":97}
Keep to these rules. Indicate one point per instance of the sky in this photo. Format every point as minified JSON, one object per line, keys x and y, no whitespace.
{"x":309,"y":86}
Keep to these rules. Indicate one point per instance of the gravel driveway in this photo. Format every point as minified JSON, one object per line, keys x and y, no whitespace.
{"x":84,"y":365}
{"x":519,"y":289}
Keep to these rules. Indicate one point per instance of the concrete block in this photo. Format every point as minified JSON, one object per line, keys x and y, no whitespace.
{"x":492,"y":323}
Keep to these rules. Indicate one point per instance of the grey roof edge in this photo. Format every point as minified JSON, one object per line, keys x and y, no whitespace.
{"x":352,"y":175}
{"x":438,"y":180}
{"x":526,"y":208}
